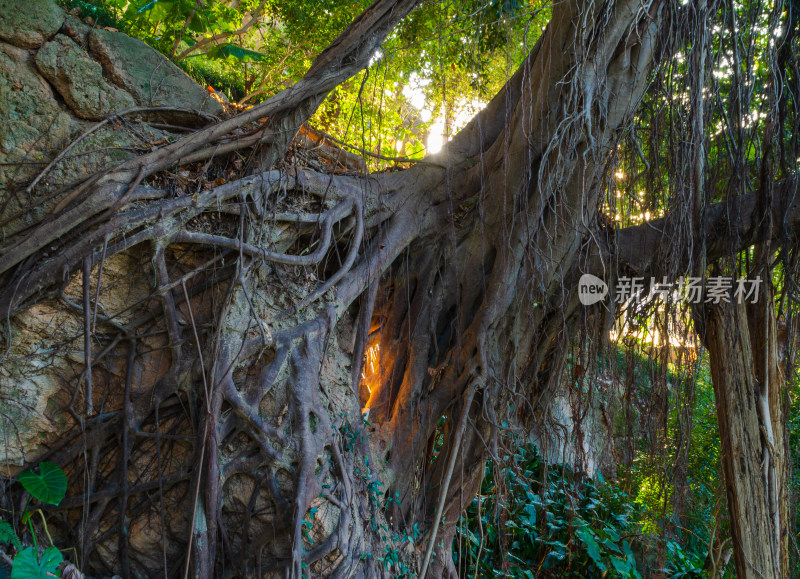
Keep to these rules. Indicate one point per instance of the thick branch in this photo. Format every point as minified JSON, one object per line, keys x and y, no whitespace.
{"x":728,"y":227}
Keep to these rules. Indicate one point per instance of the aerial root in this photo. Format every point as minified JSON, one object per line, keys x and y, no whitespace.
{"x":185,"y":427}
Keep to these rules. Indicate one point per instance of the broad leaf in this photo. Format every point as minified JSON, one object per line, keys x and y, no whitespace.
{"x":28,"y":566}
{"x":49,"y":486}
{"x":531,"y":512}
{"x":592,"y":548}
{"x":611,"y":546}
{"x":553,"y":557}
{"x":612,"y":533}
{"x":157,"y":10}
{"x":198,"y":24}
{"x":237,"y":52}
{"x":621,"y":566}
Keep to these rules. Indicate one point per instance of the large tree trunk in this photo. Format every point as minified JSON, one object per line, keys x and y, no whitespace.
{"x":749,"y":392}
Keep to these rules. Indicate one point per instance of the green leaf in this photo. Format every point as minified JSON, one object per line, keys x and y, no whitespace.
{"x":552,"y":558}
{"x":49,"y":486}
{"x":514,"y":559}
{"x":612,"y":533}
{"x":7,"y":535}
{"x":621,"y":566}
{"x":628,"y":551}
{"x":28,"y":566}
{"x":198,"y":23}
{"x":157,"y":10}
{"x":237,"y":52}
{"x":611,"y":546}
{"x":531,"y":512}
{"x":592,"y":548}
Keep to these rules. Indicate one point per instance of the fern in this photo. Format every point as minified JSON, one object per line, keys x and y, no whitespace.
{"x":7,"y":535}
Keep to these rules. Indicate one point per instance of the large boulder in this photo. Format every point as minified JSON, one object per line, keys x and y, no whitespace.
{"x":38,"y":381}
{"x":28,"y":23}
{"x":79,"y":79}
{"x":146,"y":74}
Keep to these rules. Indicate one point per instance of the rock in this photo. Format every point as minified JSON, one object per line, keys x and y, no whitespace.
{"x":33,"y":383}
{"x":79,"y":79}
{"x":146,"y":74}
{"x":33,"y":123}
{"x":28,"y":23}
{"x":76,"y":29}
{"x":34,"y":126}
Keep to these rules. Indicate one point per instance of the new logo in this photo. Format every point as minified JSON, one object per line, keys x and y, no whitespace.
{"x":591,"y":289}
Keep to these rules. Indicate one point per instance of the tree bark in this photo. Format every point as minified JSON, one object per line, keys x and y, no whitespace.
{"x":748,"y":387}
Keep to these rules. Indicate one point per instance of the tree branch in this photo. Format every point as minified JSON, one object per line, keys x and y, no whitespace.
{"x":727,"y":227}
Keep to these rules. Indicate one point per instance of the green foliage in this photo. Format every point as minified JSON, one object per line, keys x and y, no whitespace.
{"x":654,"y":497}
{"x":234,"y":52}
{"x":27,"y":564}
{"x":705,"y":512}
{"x":568,"y":526}
{"x":48,"y":486}
{"x":100,"y":14}
{"x":447,"y":58}
{"x":675,"y":477}
{"x":7,"y":535}
{"x":435,"y":70}
{"x":550,"y":522}
{"x":793,"y":382}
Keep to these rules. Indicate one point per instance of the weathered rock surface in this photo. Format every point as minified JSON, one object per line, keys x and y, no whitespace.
{"x":78,"y":30}
{"x":146,"y":74}
{"x":32,"y":386}
{"x":79,"y":79}
{"x":591,"y":436}
{"x":33,"y":122}
{"x":28,"y":23}
{"x":35,"y":125}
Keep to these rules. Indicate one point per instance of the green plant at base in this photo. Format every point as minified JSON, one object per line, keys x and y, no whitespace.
{"x":551,"y":522}
{"x":48,"y":486}
{"x":27,"y":564}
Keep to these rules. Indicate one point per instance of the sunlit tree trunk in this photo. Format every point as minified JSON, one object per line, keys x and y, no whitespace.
{"x":748,"y":387}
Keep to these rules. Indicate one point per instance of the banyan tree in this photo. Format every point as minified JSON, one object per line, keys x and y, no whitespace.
{"x":254,"y":353}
